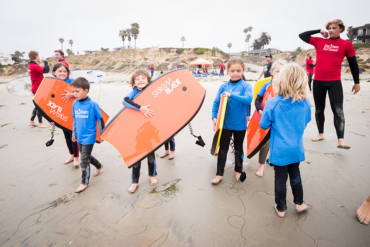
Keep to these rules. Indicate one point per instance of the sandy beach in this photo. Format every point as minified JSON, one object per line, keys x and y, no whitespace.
{"x":39,"y":208}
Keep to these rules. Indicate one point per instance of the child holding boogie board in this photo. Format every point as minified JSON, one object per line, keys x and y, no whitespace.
{"x":275,"y":69}
{"x":240,"y":97}
{"x":287,"y":115}
{"x":61,"y":72}
{"x":139,"y":80}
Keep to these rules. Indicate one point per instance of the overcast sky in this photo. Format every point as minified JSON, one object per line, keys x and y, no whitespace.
{"x":38,"y":24}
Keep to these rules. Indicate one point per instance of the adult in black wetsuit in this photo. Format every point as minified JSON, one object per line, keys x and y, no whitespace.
{"x":330,"y":52}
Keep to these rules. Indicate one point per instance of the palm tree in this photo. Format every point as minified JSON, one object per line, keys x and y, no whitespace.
{"x":247,"y":31}
{"x":247,"y":39}
{"x":229,"y":45}
{"x":256,"y":44}
{"x":264,"y":39}
{"x":135,"y":31}
{"x":128,"y":33}
{"x":183,"y":39}
{"x":71,"y":43}
{"x":61,"y":40}
{"x":123,"y":35}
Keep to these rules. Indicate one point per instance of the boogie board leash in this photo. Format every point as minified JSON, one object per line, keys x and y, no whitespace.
{"x":200,"y":141}
{"x":51,"y":141}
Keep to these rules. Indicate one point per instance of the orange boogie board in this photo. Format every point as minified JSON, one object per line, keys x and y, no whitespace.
{"x":256,"y":136}
{"x":175,"y":98}
{"x":219,"y":124}
{"x":49,"y":99}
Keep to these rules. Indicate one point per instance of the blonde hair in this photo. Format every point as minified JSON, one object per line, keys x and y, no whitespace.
{"x":292,"y":82}
{"x":137,"y":73}
{"x":279,"y":62}
{"x":339,"y":22}
{"x":235,"y":60}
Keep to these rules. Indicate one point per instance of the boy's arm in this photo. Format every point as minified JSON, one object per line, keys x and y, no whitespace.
{"x":130,"y":104}
{"x":101,"y":124}
{"x":74,"y":131}
{"x":257,"y":103}
{"x":46,"y":67}
{"x":306,"y":36}
{"x":266,"y":119}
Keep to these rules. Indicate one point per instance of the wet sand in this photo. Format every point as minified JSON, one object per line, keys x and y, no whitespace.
{"x":38,"y":206}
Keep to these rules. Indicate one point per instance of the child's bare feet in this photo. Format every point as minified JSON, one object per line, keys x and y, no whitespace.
{"x":172,"y":155}
{"x":301,"y":208}
{"x":69,"y":160}
{"x":153,"y":181}
{"x":363,"y":212}
{"x":32,"y":123}
{"x":98,"y":171}
{"x":342,"y":145}
{"x":42,"y":125}
{"x":76,"y":164}
{"x":164,"y":154}
{"x":320,"y":137}
{"x":259,"y":172}
{"x":280,"y":214}
{"x":216,"y":180}
{"x":81,"y":188}
{"x":132,"y":188}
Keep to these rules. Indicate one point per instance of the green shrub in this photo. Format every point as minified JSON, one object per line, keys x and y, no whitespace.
{"x":360,"y":45}
{"x":200,"y":51}
{"x":95,"y":61}
{"x":114,"y":63}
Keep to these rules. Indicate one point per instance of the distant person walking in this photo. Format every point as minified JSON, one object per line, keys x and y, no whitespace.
{"x":222,"y":68}
{"x":330,"y":52}
{"x":151,"y":71}
{"x":266,"y":68}
{"x":310,"y":65}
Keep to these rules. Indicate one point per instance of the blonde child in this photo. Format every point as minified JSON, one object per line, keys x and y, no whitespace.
{"x":61,"y":71}
{"x":275,"y":69}
{"x":139,"y":80}
{"x":288,"y":115}
{"x":235,"y":124}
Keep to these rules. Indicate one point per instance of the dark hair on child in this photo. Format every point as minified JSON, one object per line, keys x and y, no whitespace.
{"x":137,"y":73}
{"x":60,"y":52}
{"x":81,"y":82}
{"x":58,"y":65}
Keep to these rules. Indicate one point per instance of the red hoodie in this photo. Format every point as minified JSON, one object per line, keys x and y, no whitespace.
{"x":36,"y":74}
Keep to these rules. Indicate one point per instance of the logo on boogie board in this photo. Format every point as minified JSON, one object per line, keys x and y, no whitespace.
{"x":57,"y":111}
{"x":168,"y":86}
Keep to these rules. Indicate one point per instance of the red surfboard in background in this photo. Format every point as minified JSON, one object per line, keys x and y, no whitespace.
{"x":175,"y":97}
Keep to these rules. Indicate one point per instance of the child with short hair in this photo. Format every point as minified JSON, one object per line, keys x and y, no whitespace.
{"x":139,"y":80}
{"x":288,"y":115}
{"x":235,"y":124}
{"x":61,"y":71}
{"x":36,"y":74}
{"x":274,"y":71}
{"x":86,"y":114}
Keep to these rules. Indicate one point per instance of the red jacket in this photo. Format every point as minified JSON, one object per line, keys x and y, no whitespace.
{"x":65,"y":62}
{"x":36,"y":74}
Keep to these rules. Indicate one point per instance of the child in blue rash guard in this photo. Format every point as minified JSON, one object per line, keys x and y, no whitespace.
{"x":288,"y":115}
{"x":240,"y":97}
{"x":86,"y":114}
{"x":139,"y":80}
{"x":274,"y":71}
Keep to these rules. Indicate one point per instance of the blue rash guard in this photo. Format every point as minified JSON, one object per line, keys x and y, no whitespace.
{"x":287,"y":121}
{"x":127,"y":101}
{"x":85,"y":115}
{"x":237,"y":105}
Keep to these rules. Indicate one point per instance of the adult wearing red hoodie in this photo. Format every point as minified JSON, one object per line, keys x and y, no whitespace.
{"x":36,"y":73}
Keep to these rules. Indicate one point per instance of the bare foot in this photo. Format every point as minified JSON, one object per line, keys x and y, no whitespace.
{"x":172,"y":155}
{"x":81,"y":188}
{"x":342,"y":145}
{"x":76,"y":164}
{"x":164,"y":154}
{"x":320,"y":137}
{"x":363,"y":212}
{"x":42,"y":125}
{"x":69,"y":160}
{"x":32,"y":123}
{"x":153,"y":181}
{"x":216,"y":180}
{"x":98,"y":171}
{"x":259,"y":172}
{"x":280,"y":214}
{"x":132,"y":188}
{"x":301,"y":208}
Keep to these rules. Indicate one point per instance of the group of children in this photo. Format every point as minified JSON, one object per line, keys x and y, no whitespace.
{"x":287,"y":115}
